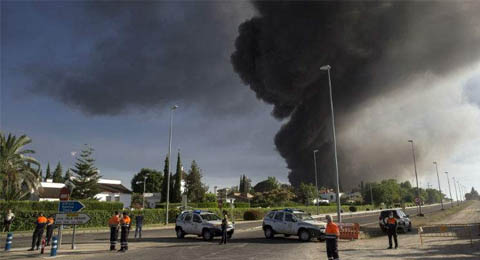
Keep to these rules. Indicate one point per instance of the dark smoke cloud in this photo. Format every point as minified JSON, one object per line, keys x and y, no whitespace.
{"x":143,"y":55}
{"x":374,"y":48}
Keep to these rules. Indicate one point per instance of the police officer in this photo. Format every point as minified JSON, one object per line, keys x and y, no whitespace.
{"x":38,"y":232}
{"x":331,"y":236}
{"x":125,"y":225}
{"x":50,"y":227}
{"x":224,"y":228}
{"x":391,"y":226}
{"x":113,"y":223}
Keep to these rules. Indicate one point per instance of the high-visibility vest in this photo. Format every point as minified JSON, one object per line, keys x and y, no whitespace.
{"x":114,"y":221}
{"x":391,"y":221}
{"x":332,"y":230}
{"x":50,"y":221}
{"x":125,"y":221}
{"x":41,"y":222}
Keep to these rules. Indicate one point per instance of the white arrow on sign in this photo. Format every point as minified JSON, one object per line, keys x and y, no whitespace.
{"x":71,"y":218}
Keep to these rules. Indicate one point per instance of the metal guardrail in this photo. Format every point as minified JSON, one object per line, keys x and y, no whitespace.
{"x":460,"y":231}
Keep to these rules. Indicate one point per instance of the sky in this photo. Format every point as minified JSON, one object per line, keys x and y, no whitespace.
{"x":106,"y":74}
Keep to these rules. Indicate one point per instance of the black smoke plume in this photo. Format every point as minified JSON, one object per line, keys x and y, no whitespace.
{"x":373,"y":48}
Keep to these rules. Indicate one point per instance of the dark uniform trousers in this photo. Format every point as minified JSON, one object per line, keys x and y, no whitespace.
{"x":49,"y":233}
{"x":332,"y":248}
{"x":124,"y":237}
{"x":37,"y":236}
{"x":392,"y":232}
{"x":224,"y":235}
{"x":113,"y":237}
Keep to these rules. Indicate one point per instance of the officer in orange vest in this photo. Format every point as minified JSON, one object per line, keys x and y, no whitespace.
{"x":331,"y":236}
{"x":38,"y":232}
{"x":391,"y":226}
{"x":125,"y":225}
{"x":113,"y":223}
{"x":50,"y":227}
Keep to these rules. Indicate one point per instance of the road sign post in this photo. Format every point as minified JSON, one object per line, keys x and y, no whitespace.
{"x":63,"y":196}
{"x":67,"y":216}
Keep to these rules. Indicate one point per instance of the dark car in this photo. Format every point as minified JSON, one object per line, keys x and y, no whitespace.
{"x":403,"y":221}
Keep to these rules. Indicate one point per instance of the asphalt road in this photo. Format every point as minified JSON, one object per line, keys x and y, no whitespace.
{"x":243,"y":230}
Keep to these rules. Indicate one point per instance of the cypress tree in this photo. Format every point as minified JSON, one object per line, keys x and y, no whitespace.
{"x":68,"y":175}
{"x":57,"y":174}
{"x":195,"y":188}
{"x":48,"y":174}
{"x":165,"y":180}
{"x":177,"y":185}
{"x":86,"y":176}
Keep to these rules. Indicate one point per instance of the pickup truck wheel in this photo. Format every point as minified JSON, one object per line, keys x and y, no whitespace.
{"x":410,"y":227}
{"x":180,"y":233}
{"x":286,"y":235}
{"x":207,"y":235}
{"x":304,"y":235}
{"x":268,"y":233}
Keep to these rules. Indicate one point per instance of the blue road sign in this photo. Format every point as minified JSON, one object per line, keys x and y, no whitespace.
{"x":70,"y":206}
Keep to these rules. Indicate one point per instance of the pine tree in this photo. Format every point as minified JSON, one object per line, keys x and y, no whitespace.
{"x":177,"y":185}
{"x":48,"y":174}
{"x":86,"y":176}
{"x":57,"y":174}
{"x":165,"y":178}
{"x":67,"y":176}
{"x":195,"y":188}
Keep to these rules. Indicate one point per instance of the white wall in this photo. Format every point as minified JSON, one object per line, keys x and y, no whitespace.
{"x":126,"y":199}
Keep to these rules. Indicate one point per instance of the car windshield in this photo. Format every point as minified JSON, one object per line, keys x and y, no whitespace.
{"x":303,"y":216}
{"x":210,"y":217}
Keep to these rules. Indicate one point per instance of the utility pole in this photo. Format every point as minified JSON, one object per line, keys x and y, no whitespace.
{"x":169,"y":162}
{"x":316,"y":178}
{"x":416,"y":178}
{"x":449,"y":190}
{"x":439,"y":189}
{"x":455,"y":186}
{"x":371,"y":194}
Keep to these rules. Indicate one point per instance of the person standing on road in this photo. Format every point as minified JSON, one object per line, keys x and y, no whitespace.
{"x":38,"y":232}
{"x":8,"y":220}
{"x":125,"y":225}
{"x":224,"y":228}
{"x":331,"y":237}
{"x":391,"y":226}
{"x":113,"y":223}
{"x":50,"y":227}
{"x":138,"y":225}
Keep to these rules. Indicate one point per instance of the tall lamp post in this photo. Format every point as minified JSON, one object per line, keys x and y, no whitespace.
{"x":439,"y":189}
{"x":169,"y":161}
{"x":449,"y":189}
{"x":455,"y":186}
{"x":416,"y":178}
{"x":316,"y":178}
{"x":327,"y":68}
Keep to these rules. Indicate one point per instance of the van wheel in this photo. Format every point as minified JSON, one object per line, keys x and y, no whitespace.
{"x":268,"y":232}
{"x":304,"y":235}
{"x":180,"y":233}
{"x":207,"y":235}
{"x":410,"y":227}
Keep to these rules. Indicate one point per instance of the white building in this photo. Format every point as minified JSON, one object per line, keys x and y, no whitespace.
{"x":331,"y":196}
{"x":111,"y":190}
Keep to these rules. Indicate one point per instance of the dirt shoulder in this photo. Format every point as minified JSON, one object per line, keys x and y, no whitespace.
{"x":409,"y":244}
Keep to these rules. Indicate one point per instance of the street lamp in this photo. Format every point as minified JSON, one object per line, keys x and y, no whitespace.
{"x":169,"y":162}
{"x":439,"y":190}
{"x":449,"y":189}
{"x":416,"y":178}
{"x":327,"y":68}
{"x":455,"y":186}
{"x":316,"y":182}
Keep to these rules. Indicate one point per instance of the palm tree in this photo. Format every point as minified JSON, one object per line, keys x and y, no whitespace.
{"x":17,"y":177}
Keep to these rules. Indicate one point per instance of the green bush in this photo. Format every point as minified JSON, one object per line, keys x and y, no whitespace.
{"x":352,"y":209}
{"x":253,"y":214}
{"x":242,"y":205}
